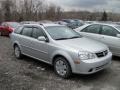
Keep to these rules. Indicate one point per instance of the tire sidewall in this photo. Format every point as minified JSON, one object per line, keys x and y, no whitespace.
{"x":68,"y":73}
{"x":0,"y":33}
{"x":17,"y":47}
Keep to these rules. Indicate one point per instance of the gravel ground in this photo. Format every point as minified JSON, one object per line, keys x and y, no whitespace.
{"x":30,"y":74}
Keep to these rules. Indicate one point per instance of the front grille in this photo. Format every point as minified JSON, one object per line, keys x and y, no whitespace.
{"x":102,"y":54}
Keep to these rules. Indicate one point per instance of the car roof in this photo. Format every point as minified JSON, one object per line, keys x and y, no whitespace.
{"x":46,"y":25}
{"x":43,"y":25}
{"x":108,"y":24}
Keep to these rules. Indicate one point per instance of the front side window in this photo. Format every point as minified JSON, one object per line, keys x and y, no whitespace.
{"x":92,"y":29}
{"x":109,"y":31}
{"x":37,"y":32}
{"x":62,"y":32}
{"x":27,"y":31}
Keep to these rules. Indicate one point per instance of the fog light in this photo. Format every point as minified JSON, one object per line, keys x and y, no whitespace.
{"x":90,"y":70}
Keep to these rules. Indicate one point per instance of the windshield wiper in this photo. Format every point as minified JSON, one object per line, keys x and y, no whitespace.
{"x":74,"y":37}
{"x":67,"y":38}
{"x":61,"y":38}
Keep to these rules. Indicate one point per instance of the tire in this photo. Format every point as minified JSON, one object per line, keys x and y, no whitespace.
{"x":62,"y":68}
{"x":0,"y":34}
{"x":17,"y":52}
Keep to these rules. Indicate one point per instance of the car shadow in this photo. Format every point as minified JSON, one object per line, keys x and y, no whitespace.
{"x":34,"y":63}
{"x":75,"y":77}
{"x":116,"y":58}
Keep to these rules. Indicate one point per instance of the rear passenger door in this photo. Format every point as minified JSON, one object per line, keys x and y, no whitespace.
{"x":109,"y":37}
{"x":92,"y":31}
{"x":39,"y":48}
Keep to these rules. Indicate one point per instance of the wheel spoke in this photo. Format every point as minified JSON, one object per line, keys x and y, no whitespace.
{"x":61,"y":67}
{"x":17,"y":52}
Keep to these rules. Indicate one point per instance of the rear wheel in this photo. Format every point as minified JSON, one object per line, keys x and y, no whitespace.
{"x":0,"y":34}
{"x":62,"y":67}
{"x":17,"y":52}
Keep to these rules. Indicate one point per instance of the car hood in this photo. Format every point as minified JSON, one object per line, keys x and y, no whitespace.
{"x":83,"y":44}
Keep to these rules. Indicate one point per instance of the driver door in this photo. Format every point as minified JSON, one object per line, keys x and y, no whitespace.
{"x":109,"y":37}
{"x":39,"y":48}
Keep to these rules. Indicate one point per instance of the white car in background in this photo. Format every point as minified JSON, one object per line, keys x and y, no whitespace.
{"x":106,"y":33}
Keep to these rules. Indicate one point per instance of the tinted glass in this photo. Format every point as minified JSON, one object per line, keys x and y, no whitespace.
{"x":92,"y":29}
{"x":37,"y":32}
{"x":62,"y":32}
{"x":27,"y":31}
{"x":110,"y":31}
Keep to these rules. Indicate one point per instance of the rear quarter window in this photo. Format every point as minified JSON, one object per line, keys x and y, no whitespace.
{"x":18,"y":30}
{"x":27,"y":31}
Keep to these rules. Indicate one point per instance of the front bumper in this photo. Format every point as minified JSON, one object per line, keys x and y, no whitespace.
{"x":93,"y":65}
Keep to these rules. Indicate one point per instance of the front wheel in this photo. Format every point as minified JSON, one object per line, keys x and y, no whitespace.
{"x":62,"y":67}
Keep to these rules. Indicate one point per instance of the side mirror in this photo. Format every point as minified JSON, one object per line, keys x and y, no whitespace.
{"x":118,"y":35}
{"x":42,"y":38}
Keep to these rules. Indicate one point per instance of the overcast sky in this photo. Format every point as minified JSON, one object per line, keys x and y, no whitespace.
{"x":91,"y":5}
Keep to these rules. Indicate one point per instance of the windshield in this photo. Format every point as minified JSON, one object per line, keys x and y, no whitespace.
{"x":62,"y":32}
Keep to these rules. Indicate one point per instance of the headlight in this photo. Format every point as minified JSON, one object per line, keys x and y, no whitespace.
{"x":86,"y":55}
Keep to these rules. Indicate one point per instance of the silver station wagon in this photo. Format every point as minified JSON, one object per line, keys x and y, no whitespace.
{"x":61,"y":47}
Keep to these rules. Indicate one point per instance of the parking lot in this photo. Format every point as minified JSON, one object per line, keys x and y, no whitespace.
{"x":30,"y":74}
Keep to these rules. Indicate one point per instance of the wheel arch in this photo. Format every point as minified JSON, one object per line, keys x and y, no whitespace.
{"x":65,"y":56}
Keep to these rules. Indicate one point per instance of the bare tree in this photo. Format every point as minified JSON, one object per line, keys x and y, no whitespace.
{"x":20,"y":10}
{"x":6,"y":7}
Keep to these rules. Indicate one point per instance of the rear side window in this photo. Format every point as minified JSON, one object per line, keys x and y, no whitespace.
{"x":109,"y":31}
{"x":37,"y":32}
{"x":18,"y":30}
{"x":92,"y":29}
{"x":27,"y":31}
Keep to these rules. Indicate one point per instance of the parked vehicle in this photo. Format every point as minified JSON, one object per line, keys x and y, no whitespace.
{"x":8,"y":27}
{"x":78,"y":23}
{"x":106,"y":33}
{"x":45,"y":21}
{"x":70,"y":23}
{"x":61,"y":47}
{"x":61,"y":23}
{"x":28,"y":22}
{"x":73,"y":23}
